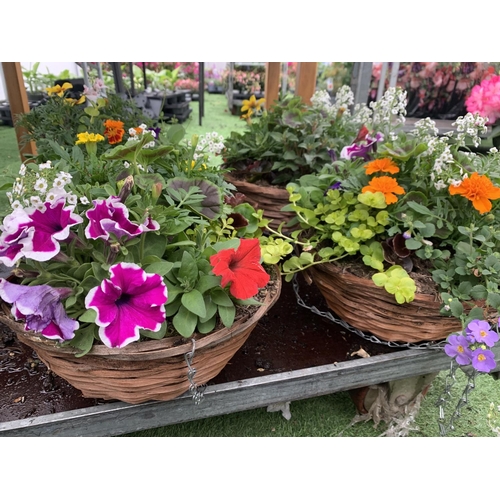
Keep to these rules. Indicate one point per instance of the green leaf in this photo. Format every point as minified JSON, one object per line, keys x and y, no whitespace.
{"x":162,"y":267}
{"x":412,"y":244}
{"x":221,"y":298}
{"x":493,"y":300}
{"x":89,"y":316}
{"x":185,"y":322}
{"x":188,"y":271}
{"x":207,"y":326}
{"x":154,"y":335}
{"x":193,"y":301}
{"x":419,"y":208}
{"x":227,"y":314}
{"x":456,"y":308}
{"x":206,"y":282}
{"x":84,"y":340}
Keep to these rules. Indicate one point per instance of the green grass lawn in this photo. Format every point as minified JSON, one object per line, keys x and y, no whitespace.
{"x":326,"y":416}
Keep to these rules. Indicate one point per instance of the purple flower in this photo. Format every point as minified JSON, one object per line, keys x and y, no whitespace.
{"x":156,"y":131}
{"x":41,"y":308}
{"x":111,"y":217}
{"x":35,"y":233}
{"x":332,"y":154}
{"x":458,"y":348}
{"x":483,"y":360}
{"x":336,"y":185}
{"x":481,"y":332}
{"x":130,"y":300}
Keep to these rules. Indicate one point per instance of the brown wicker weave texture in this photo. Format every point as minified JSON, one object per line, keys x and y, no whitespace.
{"x":153,"y":370}
{"x":369,"y":308}
{"x":270,"y":199}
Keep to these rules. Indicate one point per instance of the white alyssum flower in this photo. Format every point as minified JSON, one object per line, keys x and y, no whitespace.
{"x":40,"y":185}
{"x":46,"y":165}
{"x":55,"y":194}
{"x":472,"y":126}
{"x":36,"y":202}
{"x":84,"y":200}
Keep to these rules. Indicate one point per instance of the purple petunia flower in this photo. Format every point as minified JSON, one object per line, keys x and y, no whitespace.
{"x":481,"y":332}
{"x":35,"y":233}
{"x":458,"y":348}
{"x":336,"y":185}
{"x":130,"y":300}
{"x":108,"y":217}
{"x":41,"y":308}
{"x":483,"y":360}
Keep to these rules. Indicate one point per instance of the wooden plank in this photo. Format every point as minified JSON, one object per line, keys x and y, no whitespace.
{"x":272,"y":83}
{"x":18,"y":102}
{"x":306,"y":80}
{"x":113,"y":419}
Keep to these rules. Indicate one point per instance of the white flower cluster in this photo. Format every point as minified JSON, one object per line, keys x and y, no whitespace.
{"x":321,"y":100}
{"x":470,"y":125}
{"x":390,"y":111}
{"x":425,"y":130}
{"x":211,"y":142}
{"x":344,"y":99}
{"x":135,"y":134}
{"x":35,"y":188}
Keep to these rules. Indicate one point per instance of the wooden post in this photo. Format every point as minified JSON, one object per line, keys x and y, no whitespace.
{"x":18,"y":102}
{"x":272,"y":83}
{"x":306,"y":80}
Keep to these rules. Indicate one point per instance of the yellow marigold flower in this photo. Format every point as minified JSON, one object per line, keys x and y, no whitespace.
{"x":386,"y":185}
{"x":85,"y":137}
{"x":478,"y":189}
{"x":58,"y":89}
{"x":381,"y":165}
{"x":251,"y":105}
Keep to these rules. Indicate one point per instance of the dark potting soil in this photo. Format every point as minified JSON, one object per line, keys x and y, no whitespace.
{"x":289,"y":337}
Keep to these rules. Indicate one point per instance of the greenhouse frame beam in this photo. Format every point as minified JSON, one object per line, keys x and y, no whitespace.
{"x":18,"y":102}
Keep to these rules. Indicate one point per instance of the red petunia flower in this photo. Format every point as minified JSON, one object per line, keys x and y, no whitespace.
{"x":241,"y":267}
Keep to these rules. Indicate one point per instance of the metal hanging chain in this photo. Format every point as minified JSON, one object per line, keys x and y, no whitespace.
{"x":365,"y":336}
{"x":445,"y":398}
{"x":450,"y":379}
{"x":196,"y":391}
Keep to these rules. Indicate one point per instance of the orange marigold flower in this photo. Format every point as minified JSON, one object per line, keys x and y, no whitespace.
{"x":113,"y":130}
{"x":386,"y":185}
{"x":381,"y":165}
{"x":478,"y":189}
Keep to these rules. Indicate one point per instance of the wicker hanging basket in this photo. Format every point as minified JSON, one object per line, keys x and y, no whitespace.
{"x":152,"y":370}
{"x":271,"y":199}
{"x":369,"y":308}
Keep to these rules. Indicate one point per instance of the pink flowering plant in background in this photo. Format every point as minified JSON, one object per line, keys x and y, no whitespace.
{"x":162,"y":248}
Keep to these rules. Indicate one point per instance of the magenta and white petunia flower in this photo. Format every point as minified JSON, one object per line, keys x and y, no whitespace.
{"x":108,"y":217}
{"x":130,"y":300}
{"x":150,"y":225}
{"x":48,"y":227}
{"x":41,"y":309}
{"x":35,"y":232}
{"x":14,"y":230}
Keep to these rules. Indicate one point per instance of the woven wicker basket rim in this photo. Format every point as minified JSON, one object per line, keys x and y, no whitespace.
{"x":277,"y":192}
{"x":156,"y":349}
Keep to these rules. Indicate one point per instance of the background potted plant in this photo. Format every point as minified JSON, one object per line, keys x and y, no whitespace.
{"x":290,"y":140}
{"x":402,"y":242}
